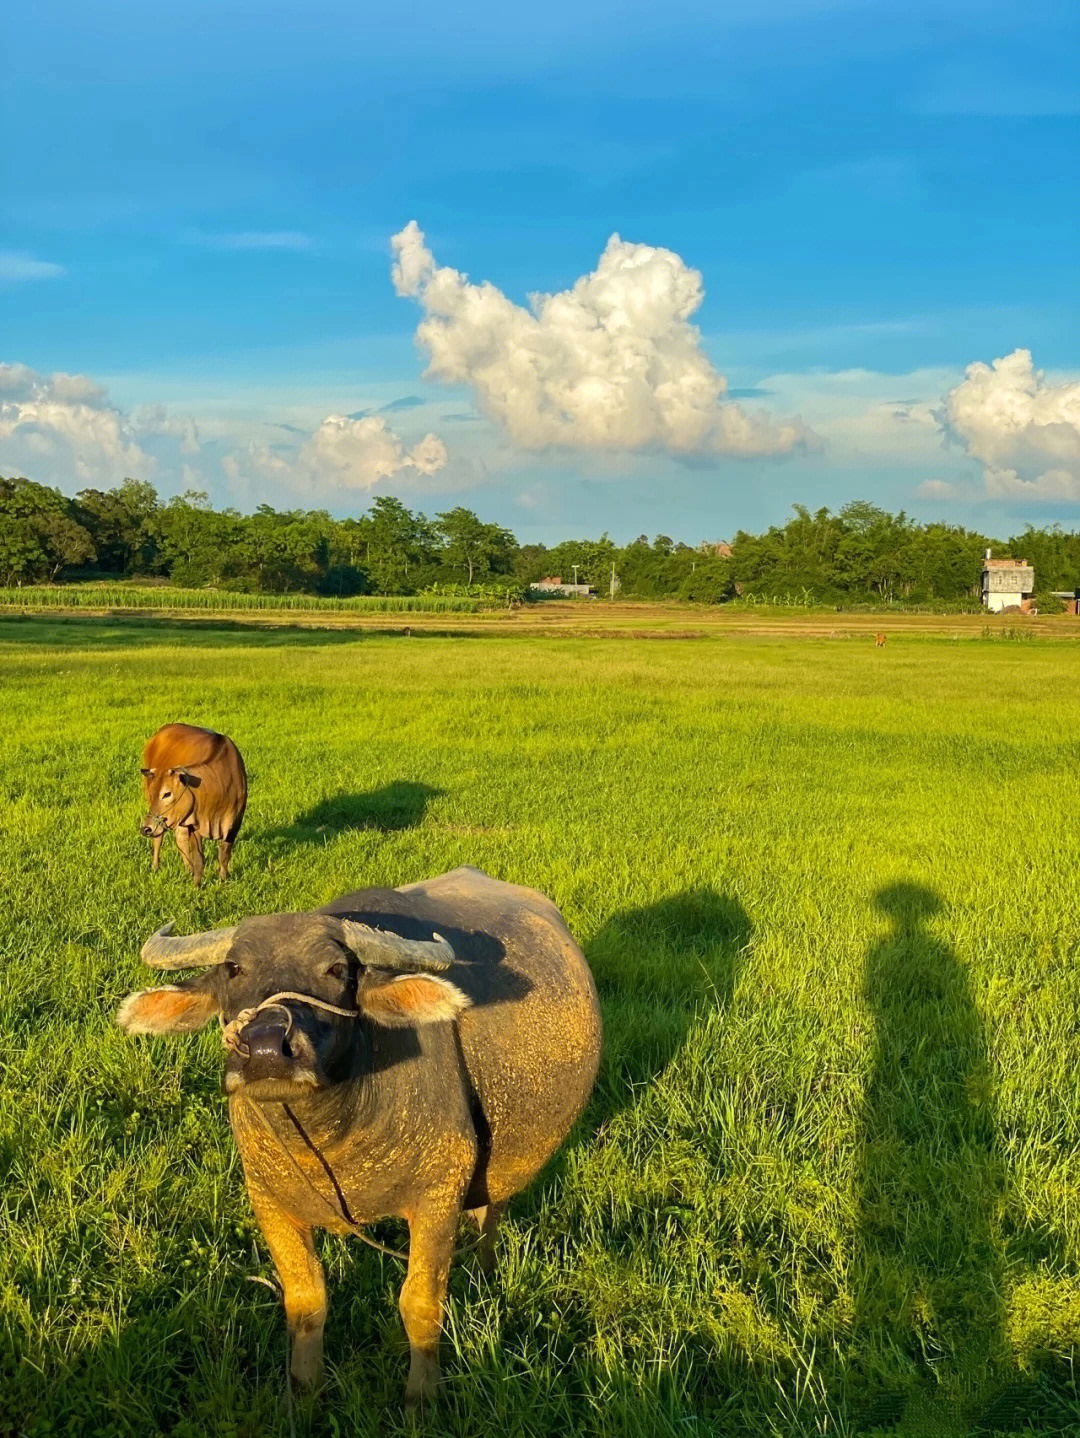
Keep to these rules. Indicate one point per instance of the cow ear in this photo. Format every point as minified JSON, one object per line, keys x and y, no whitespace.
{"x":171,"y":1009}
{"x":189,"y":780}
{"x":409,"y":999}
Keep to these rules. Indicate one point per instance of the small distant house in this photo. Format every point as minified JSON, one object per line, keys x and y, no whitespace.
{"x":1006,"y":583}
{"x":553,"y":585}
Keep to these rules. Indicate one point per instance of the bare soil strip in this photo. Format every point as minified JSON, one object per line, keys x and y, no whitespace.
{"x":605,"y":620}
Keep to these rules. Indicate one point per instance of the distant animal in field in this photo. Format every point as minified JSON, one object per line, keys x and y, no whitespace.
{"x":415,"y":1053}
{"x":879,"y":640}
{"x":195,"y":786}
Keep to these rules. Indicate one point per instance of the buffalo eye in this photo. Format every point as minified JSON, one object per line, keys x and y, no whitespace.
{"x":231,"y":969}
{"x":340,"y":970}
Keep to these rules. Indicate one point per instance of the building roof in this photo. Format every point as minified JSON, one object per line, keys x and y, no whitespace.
{"x":1005,"y":564}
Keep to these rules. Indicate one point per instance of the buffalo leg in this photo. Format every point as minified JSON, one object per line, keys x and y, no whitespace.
{"x":224,"y":854}
{"x":155,"y":852}
{"x":303,"y":1288}
{"x":487,"y":1221}
{"x":431,"y":1247}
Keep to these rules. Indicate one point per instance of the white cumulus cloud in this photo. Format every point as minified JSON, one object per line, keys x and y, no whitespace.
{"x":61,"y":427}
{"x":944,"y":489}
{"x":612,"y":363}
{"x":1023,"y":429}
{"x":151,"y":419}
{"x":342,"y":453}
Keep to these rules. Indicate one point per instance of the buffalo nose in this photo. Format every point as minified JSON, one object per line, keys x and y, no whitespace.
{"x":268,"y":1049}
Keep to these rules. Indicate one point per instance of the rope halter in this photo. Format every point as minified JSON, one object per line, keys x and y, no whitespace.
{"x":230,"y":1032}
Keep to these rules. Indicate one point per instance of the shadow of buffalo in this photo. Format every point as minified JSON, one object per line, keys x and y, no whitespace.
{"x":655,"y":967}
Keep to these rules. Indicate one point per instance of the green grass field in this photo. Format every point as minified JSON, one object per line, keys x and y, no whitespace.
{"x":830,"y":1180}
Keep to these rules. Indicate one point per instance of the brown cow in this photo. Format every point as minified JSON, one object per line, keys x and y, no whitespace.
{"x":195,"y":785}
{"x":879,"y":640}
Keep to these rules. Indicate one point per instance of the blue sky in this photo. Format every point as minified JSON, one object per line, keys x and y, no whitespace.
{"x":197,"y":210}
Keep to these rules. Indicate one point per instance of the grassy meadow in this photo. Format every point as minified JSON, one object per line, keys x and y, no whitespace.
{"x":830,"y":1179}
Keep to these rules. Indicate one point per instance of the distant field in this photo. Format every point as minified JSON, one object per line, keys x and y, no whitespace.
{"x":830,"y":1181}
{"x":464,"y":614}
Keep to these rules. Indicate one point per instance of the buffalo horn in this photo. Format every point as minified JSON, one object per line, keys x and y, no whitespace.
{"x":191,"y":951}
{"x":390,"y":951}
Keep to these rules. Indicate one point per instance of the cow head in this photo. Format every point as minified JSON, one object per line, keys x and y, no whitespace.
{"x":289,"y":990}
{"x":170,"y":798}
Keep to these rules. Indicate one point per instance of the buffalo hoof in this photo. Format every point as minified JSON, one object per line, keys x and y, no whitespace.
{"x":423,"y":1381}
{"x":307,"y":1371}
{"x":307,"y":1364}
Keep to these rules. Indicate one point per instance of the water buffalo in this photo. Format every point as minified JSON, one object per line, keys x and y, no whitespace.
{"x":413,"y":1052}
{"x":195,"y":785}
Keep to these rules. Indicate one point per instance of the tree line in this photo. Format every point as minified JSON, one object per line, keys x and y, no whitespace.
{"x":858,"y":554}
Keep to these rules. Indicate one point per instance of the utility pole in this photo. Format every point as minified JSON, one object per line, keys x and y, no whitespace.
{"x":575,"y":569}
{"x":614,"y":581}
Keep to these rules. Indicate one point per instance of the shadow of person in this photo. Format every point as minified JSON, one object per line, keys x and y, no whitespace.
{"x":928,"y":1267}
{"x":397,"y":805}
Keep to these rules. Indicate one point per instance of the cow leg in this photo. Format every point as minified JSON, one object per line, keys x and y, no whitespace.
{"x":191,"y":850}
{"x":431,"y":1247}
{"x":487,"y":1221}
{"x":183,"y":843}
{"x":224,"y":854}
{"x":155,"y":852}
{"x":303,"y":1288}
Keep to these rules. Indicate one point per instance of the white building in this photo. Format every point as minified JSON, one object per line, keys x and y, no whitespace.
{"x":553,"y":585}
{"x":1006,"y":583}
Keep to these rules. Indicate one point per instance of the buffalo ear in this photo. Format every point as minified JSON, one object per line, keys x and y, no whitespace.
{"x":409,"y":999}
{"x":189,"y":780}
{"x":170,"y":1009}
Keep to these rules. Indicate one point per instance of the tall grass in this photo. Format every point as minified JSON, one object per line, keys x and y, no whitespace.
{"x":220,"y":601}
{"x":830,"y":1179}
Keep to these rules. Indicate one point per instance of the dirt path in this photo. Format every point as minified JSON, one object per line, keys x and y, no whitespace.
{"x":626,"y":619}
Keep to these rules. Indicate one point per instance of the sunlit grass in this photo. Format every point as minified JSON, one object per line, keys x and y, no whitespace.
{"x":830,"y":1179}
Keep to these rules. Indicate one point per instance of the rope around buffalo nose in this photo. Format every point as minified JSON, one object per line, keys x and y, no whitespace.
{"x":230,"y":1032}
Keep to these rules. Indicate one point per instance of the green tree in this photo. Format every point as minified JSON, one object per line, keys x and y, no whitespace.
{"x":120,"y":522}
{"x":38,"y":536}
{"x":399,"y":546}
{"x":479,"y":549}
{"x":192,"y":541}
